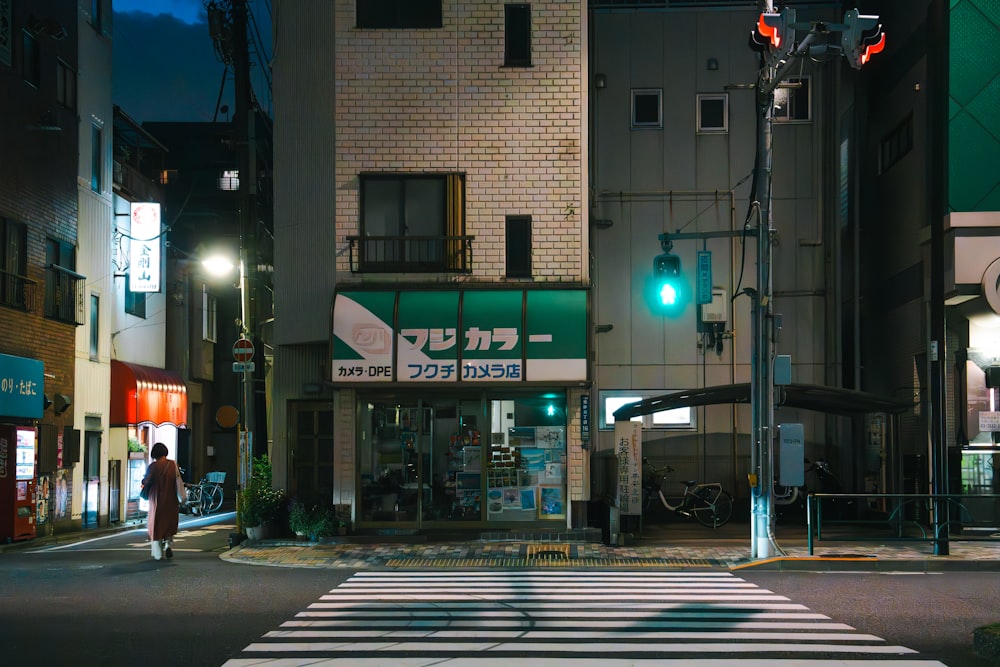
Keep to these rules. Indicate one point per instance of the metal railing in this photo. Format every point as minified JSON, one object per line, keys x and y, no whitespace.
{"x":411,"y":254}
{"x":904,"y":517}
{"x":17,"y":291}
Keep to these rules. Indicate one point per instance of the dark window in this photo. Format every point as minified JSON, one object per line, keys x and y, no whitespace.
{"x":896,"y":144}
{"x":397,"y":14}
{"x":64,"y":297}
{"x":30,"y":67}
{"x":412,"y":223}
{"x":95,"y":324}
{"x":518,"y":246}
{"x":14,"y":285}
{"x":647,"y":108}
{"x":65,"y":85}
{"x":135,"y":302}
{"x":792,"y":100}
{"x":96,"y":157}
{"x":712,"y":113}
{"x":517,"y":36}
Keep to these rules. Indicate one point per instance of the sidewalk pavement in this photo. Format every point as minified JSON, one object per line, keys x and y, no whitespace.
{"x":668,"y":545}
{"x":665,"y":546}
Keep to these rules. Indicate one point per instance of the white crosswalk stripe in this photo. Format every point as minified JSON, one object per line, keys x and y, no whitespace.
{"x":547,"y":618}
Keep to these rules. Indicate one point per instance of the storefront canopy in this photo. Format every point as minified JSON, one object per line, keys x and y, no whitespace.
{"x":830,"y":400}
{"x":146,"y":395}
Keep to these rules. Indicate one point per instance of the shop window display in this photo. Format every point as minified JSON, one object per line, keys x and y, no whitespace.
{"x":431,"y":462}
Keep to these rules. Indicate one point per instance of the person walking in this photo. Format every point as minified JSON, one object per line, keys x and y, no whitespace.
{"x":165,"y":488}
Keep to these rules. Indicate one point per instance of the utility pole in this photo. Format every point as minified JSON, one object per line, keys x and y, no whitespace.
{"x":228,"y":22}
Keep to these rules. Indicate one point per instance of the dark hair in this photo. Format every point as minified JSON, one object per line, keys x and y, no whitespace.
{"x":159,"y":451}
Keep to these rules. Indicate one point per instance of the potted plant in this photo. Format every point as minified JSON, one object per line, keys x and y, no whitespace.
{"x":258,"y":503}
{"x":136,"y":450}
{"x":322,"y":523}
{"x":299,"y":518}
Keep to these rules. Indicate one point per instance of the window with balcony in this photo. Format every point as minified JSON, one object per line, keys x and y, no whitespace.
{"x":412,"y":224}
{"x":398,"y":14}
{"x":15,"y":288}
{"x":64,"y":287}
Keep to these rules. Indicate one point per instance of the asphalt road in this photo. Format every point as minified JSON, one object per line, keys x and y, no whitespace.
{"x":934,"y":613}
{"x":106,"y":602}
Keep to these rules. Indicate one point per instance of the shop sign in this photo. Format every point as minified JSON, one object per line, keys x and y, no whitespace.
{"x":22,"y":382}
{"x":144,"y":247}
{"x":460,"y":336}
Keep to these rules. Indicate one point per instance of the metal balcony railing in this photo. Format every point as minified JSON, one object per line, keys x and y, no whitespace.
{"x":17,"y":291}
{"x":411,"y":254}
{"x":65,"y":295}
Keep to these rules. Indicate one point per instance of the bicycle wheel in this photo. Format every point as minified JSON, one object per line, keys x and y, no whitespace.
{"x":212,"y":498}
{"x":194,"y":498}
{"x":716,"y":507}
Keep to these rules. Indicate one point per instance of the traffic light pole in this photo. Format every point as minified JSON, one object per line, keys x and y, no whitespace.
{"x":762,"y":540}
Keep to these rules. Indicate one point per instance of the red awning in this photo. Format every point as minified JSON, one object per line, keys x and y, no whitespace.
{"x":142,"y":395}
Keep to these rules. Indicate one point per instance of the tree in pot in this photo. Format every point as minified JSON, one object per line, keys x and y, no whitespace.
{"x":258,"y":503}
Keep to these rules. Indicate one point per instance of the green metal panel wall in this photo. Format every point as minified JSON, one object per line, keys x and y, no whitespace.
{"x":973,"y":121}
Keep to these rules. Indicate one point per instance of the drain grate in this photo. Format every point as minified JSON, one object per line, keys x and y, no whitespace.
{"x":547,"y":551}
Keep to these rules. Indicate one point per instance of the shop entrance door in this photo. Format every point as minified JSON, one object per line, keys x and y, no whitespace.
{"x":91,"y":478}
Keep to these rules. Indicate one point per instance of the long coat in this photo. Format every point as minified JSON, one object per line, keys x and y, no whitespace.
{"x":164,"y":508}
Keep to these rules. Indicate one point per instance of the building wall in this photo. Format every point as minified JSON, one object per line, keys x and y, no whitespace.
{"x":414,"y":101}
{"x":676,"y":179}
{"x":93,"y":373}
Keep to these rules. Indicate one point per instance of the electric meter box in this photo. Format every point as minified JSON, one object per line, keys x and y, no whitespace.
{"x":716,"y":312}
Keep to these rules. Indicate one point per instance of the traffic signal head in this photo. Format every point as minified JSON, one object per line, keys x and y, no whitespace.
{"x":861,"y":38}
{"x":774,"y":32}
{"x":668,"y":290}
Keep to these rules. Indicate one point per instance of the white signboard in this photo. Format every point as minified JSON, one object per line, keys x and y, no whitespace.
{"x":144,"y":247}
{"x":628,"y":448}
{"x":989,"y":422}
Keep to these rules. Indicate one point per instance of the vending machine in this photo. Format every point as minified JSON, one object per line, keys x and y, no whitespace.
{"x":18,"y":445}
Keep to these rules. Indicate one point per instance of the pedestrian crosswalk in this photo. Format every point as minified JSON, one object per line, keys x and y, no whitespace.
{"x":559,"y":617}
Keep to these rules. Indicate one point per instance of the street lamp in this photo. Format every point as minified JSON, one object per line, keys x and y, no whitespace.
{"x":220,"y":265}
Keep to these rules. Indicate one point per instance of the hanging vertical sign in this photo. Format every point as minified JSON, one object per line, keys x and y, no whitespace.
{"x":704,"y":277}
{"x":144,"y":247}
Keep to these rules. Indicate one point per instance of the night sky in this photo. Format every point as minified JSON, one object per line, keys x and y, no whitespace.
{"x":165,"y":65}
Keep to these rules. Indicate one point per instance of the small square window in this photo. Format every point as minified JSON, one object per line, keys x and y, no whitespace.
{"x":793,"y":101}
{"x":713,"y":113}
{"x":647,"y":108}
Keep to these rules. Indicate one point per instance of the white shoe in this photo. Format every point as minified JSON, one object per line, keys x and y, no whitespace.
{"x":157,"y":547}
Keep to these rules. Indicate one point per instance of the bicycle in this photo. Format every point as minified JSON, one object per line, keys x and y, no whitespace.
{"x":205,"y":496}
{"x":709,"y":503}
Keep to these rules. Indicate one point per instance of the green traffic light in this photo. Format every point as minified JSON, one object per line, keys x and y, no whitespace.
{"x":668,"y":294}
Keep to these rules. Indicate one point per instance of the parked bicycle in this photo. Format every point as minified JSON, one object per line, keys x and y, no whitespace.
{"x":205,"y":496}
{"x":709,"y":503}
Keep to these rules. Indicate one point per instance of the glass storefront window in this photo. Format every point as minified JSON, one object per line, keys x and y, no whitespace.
{"x":526,"y":469}
{"x":445,"y":460}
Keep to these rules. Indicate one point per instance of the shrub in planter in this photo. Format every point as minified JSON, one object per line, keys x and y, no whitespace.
{"x":259,"y":503}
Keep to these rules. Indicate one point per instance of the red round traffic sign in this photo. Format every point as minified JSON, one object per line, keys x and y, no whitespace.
{"x":243,"y":350}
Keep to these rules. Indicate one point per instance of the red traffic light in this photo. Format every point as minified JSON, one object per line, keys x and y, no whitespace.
{"x":769,"y":26}
{"x":873,"y":45}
